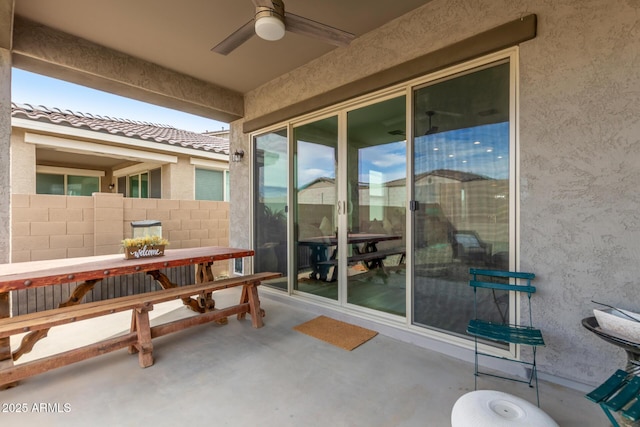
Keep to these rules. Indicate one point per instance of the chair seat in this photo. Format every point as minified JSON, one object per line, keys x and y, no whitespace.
{"x":507,"y":333}
{"x":619,"y":393}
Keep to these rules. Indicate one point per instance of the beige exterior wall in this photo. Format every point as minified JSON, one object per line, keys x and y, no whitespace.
{"x":54,"y":227}
{"x":182,"y":174}
{"x":23,"y":165}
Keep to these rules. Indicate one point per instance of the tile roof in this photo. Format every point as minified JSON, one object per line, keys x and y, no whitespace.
{"x":129,"y":128}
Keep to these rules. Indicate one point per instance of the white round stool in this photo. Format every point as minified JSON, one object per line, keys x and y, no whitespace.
{"x":489,"y":408}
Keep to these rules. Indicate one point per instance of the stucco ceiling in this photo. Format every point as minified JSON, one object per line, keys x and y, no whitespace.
{"x":179,"y":35}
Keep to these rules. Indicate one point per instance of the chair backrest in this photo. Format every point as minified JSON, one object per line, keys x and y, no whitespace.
{"x":480,"y":279}
{"x":528,"y":288}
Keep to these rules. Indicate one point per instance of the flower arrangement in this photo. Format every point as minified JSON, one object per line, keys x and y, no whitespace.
{"x":146,"y":240}
{"x":142,"y":247}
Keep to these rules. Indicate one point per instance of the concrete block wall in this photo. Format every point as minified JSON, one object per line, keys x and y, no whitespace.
{"x":51,"y":227}
{"x":185,"y":223}
{"x":54,"y":227}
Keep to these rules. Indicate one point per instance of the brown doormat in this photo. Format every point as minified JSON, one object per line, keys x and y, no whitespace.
{"x":335,"y":332}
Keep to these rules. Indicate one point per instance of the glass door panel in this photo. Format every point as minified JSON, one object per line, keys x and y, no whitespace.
{"x":376,"y":188}
{"x":315,"y":183}
{"x":270,"y":204}
{"x":134,"y":186}
{"x":461,"y":186}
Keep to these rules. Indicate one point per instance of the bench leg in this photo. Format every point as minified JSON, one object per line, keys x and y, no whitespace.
{"x":143,"y":346}
{"x":250,"y":295}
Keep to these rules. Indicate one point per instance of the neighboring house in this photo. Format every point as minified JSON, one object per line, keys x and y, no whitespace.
{"x":60,"y":152}
{"x":79,"y":180}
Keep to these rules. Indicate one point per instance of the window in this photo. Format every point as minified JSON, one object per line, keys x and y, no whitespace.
{"x":52,"y":180}
{"x":462,"y":176}
{"x":142,"y":185}
{"x":211,"y":184}
{"x":270,"y":181}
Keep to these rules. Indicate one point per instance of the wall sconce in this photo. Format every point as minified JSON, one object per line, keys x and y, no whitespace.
{"x":112,"y":186}
{"x":237,"y":155}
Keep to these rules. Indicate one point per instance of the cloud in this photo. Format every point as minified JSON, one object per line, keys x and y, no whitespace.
{"x":390,"y":160}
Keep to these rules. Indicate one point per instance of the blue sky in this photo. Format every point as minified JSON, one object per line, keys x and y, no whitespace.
{"x":35,"y":89}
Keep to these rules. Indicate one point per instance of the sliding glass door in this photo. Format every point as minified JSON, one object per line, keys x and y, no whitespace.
{"x":349,"y":208}
{"x":461,"y":186}
{"x":390,"y":225}
{"x":315,"y":197}
{"x":271,"y":177}
{"x":376,"y":198}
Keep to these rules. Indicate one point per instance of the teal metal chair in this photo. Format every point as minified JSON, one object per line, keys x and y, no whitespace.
{"x":504,"y":332}
{"x":620,"y":393}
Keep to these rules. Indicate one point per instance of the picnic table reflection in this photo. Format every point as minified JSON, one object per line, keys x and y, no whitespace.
{"x":324,"y":252}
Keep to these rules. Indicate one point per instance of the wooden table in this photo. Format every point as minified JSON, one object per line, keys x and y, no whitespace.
{"x":91,"y":270}
{"x":321,"y":261}
{"x":26,"y":275}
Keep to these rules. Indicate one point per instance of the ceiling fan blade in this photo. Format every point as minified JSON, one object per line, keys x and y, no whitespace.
{"x":237,"y":38}
{"x":300,"y":25}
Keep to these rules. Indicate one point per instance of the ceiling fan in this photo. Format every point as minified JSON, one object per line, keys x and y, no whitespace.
{"x":432,"y":129}
{"x":270,"y":23}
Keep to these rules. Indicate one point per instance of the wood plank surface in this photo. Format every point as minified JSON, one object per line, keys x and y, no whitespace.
{"x":32,"y":274}
{"x":29,"y":369}
{"x":65,"y":315}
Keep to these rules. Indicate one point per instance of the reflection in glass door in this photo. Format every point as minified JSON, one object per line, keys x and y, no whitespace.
{"x":461,"y":186}
{"x":315,"y":183}
{"x":376,"y":188}
{"x":270,"y":205}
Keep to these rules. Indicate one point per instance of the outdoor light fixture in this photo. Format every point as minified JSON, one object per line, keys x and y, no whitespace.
{"x":112,"y":186}
{"x":269,"y":23}
{"x":237,"y":155}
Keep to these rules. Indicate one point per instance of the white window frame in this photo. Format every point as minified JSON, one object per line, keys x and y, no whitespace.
{"x":65,"y":172}
{"x":214,"y":166}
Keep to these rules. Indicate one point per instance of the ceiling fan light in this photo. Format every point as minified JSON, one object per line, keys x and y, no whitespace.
{"x":269,"y":28}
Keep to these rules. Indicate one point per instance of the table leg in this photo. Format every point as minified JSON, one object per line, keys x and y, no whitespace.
{"x":205,"y":300}
{"x":30,"y":340}
{"x":6,"y":359}
{"x":79,"y":292}
{"x":318,"y":255}
{"x":204,"y":273}
{"x":165,"y":283}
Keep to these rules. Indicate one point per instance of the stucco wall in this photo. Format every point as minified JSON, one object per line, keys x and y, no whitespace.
{"x":5,"y":160}
{"x":578,"y":141}
{"x":181,"y":179}
{"x":23,"y":165}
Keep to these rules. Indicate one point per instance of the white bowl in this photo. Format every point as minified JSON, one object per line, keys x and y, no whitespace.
{"x":613,"y":320}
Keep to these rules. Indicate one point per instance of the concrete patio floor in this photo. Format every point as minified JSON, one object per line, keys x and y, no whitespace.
{"x":234,"y":375}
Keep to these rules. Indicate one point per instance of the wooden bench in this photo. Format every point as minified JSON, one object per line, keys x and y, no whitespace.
{"x":368,"y":256}
{"x":372,"y":260}
{"x":138,"y":339}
